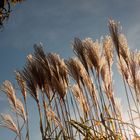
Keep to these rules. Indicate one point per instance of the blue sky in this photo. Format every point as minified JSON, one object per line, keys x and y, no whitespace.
{"x":55,"y":23}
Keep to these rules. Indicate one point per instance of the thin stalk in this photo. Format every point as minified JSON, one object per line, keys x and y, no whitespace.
{"x":40,"y":115}
{"x":74,"y":113}
{"x":97,"y":89}
{"x":98,"y":105}
{"x":27,"y":117}
{"x":77,"y":108}
{"x":69,"y":113}
{"x":70,"y":129}
{"x":63,"y":116}
{"x":17,"y":119}
{"x":102,"y":100}
{"x":45,"y":114}
{"x":101,"y":94}
{"x":111,"y":100}
{"x":134,"y":100}
{"x":127,"y":96}
{"x":57,"y":110}
{"x":90,"y":112}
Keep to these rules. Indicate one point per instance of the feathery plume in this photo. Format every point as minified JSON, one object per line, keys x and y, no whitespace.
{"x":58,"y":65}
{"x":43,"y":66}
{"x":19,"y":109}
{"x":8,"y":89}
{"x":123,"y":68}
{"x":120,"y":41}
{"x":125,"y":71}
{"x":21,"y":83}
{"x":114,"y":31}
{"x":30,"y":82}
{"x":138,"y":57}
{"x":74,"y":68}
{"x":81,"y":99}
{"x":7,"y":121}
{"x":59,"y":74}
{"x":79,"y":48}
{"x":106,"y":77}
{"x":124,"y":50}
{"x":108,"y":50}
{"x":93,"y":53}
{"x":138,"y":84}
{"x":52,"y":117}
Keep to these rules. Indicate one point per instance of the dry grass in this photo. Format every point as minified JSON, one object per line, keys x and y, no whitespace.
{"x":75,"y":98}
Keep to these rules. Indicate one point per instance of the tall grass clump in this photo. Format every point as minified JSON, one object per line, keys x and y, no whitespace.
{"x":76,"y":98}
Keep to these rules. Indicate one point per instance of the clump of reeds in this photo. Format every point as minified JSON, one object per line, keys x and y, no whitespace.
{"x":75,"y":98}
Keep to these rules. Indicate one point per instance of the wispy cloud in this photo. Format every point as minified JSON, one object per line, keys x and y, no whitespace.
{"x":133,"y":36}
